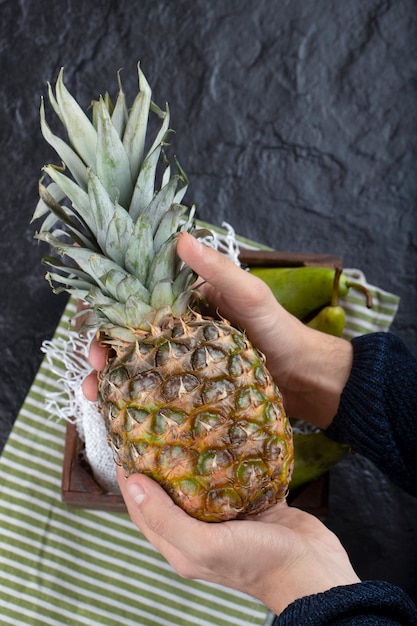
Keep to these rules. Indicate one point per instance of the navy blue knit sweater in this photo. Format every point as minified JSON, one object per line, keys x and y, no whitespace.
{"x":377,"y":416}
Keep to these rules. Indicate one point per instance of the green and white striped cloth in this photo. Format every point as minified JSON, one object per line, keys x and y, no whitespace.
{"x":60,"y":565}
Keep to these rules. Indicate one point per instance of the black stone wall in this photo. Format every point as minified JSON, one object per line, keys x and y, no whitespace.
{"x":296,"y":122}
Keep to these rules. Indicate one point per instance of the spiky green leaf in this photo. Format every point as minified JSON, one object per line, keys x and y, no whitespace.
{"x":81,"y":132}
{"x":135,"y":133}
{"x":118,"y":235}
{"x":77,"y":196}
{"x":97,"y":266}
{"x":183,"y":281}
{"x":42,"y":207}
{"x":112,"y":164}
{"x":181,"y":303}
{"x":145,"y":181}
{"x":67,"y":270}
{"x":120,"y":286}
{"x":161,"y":203}
{"x":164,"y":264}
{"x":120,"y":113}
{"x":65,"y":216}
{"x":162,"y":294}
{"x":66,"y":153}
{"x":139,"y":251}
{"x":101,"y":207}
{"x":131,"y":313}
{"x":96,"y":297}
{"x":69,"y":283}
{"x":130,"y":286}
{"x":168,"y":225}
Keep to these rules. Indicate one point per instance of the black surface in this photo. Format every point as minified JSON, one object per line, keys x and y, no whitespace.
{"x":296,"y":122}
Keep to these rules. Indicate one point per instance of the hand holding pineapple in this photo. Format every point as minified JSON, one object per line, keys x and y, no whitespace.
{"x":277,"y":556}
{"x":283,"y":553}
{"x":310,"y":368}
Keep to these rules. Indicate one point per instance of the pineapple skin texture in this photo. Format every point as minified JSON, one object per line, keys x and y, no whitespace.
{"x":192,"y":405}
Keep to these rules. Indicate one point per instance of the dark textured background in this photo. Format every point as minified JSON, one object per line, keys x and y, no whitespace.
{"x":296,"y":122}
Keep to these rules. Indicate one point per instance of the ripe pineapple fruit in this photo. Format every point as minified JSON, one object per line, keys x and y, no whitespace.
{"x":186,"y":399}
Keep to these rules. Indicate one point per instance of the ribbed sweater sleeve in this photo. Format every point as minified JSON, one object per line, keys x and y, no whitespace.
{"x":377,"y":416}
{"x":370,"y":603}
{"x":377,"y":413}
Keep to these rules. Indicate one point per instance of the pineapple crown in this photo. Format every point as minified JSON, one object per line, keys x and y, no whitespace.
{"x":105,"y":199}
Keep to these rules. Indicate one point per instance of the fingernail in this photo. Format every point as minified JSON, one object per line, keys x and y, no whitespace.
{"x":136,"y":492}
{"x":196,"y":243}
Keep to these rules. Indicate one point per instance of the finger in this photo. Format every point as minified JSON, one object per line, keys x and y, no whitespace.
{"x":212,"y":266}
{"x":177,"y":560}
{"x":175,"y":534}
{"x":97,"y":355}
{"x":89,"y":387}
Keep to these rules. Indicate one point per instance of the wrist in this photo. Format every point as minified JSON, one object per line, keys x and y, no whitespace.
{"x":316,"y":562}
{"x":285,"y":594}
{"x":313,"y":386}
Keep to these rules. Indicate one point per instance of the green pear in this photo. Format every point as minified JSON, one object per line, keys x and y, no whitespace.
{"x":314,"y":455}
{"x":331,"y":318}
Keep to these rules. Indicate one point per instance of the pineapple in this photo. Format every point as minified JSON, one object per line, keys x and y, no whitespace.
{"x":186,"y":398}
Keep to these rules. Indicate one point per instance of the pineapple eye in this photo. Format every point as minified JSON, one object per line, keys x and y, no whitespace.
{"x":275,"y":448}
{"x":205,"y":356}
{"x":144,"y":383}
{"x":238,"y":365}
{"x":176,"y":461}
{"x":198,"y":360}
{"x":226,"y":499}
{"x":261,"y":375}
{"x":240,"y":341}
{"x":206,"y":422}
{"x":119,"y":376}
{"x":176,"y":386}
{"x":238,"y":435}
{"x":250,"y":397}
{"x":273,"y":412}
{"x":144,"y":457}
{"x":211,"y":332}
{"x":216,"y":390}
{"x":171,"y":416}
{"x":242,"y":431}
{"x":167,"y":351}
{"x":248,"y":472}
{"x":215,"y":461}
{"x":135,"y":416}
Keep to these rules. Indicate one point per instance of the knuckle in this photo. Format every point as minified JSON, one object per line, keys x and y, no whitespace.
{"x":158,"y":525}
{"x":259,"y":289}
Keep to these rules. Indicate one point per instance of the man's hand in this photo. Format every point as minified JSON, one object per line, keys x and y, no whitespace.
{"x":277,"y":556}
{"x":309,"y":367}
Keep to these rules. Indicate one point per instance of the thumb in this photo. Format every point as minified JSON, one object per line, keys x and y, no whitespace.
{"x":210,"y":265}
{"x":153,"y":511}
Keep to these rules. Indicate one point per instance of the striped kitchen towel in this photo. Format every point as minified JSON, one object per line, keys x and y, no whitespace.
{"x":60,"y":565}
